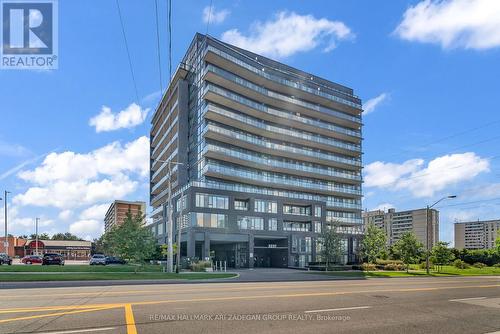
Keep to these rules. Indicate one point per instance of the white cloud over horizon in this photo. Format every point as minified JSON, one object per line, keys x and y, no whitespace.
{"x":371,"y":104}
{"x":213,"y":16}
{"x":469,"y":24}
{"x":425,"y":180}
{"x":128,"y":118}
{"x":289,"y":33}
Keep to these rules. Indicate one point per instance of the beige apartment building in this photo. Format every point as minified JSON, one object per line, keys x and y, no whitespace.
{"x":396,"y":224}
{"x":117,"y":212}
{"x":476,"y":234}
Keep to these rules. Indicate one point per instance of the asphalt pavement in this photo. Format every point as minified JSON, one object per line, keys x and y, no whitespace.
{"x":376,"y":305}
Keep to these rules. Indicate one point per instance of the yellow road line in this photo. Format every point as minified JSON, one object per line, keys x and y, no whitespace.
{"x":129,"y":292}
{"x":59,"y":308}
{"x":54,"y":314}
{"x":129,"y":318}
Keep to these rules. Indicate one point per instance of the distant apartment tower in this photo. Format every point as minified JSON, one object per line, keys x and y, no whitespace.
{"x":271,"y":157}
{"x":476,"y":234}
{"x":395,"y":224}
{"x":117,"y":212}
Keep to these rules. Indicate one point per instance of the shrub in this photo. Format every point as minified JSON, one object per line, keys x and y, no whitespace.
{"x":460,"y":264}
{"x":384,"y":262}
{"x":394,"y":266}
{"x":496,"y":265}
{"x":479,"y":265}
{"x":422,"y":265}
{"x":200,"y":265}
{"x":368,"y":267}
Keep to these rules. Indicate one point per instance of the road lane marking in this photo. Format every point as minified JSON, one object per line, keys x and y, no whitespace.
{"x":318,"y":294}
{"x":129,"y":318}
{"x":211,"y":289}
{"x":339,"y":309}
{"x":86,"y":330}
{"x":54,"y":314}
{"x":463,"y":299}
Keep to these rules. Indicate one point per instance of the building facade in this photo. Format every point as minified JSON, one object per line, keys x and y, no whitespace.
{"x":271,"y":157}
{"x":395,"y":224}
{"x":69,"y":249}
{"x":476,"y":234}
{"x":118,"y":211}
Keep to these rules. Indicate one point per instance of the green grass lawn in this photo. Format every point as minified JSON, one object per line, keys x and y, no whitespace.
{"x":445,"y":271}
{"x":69,"y":276}
{"x":81,"y":268}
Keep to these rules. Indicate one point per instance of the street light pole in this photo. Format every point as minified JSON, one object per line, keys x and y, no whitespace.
{"x":427,"y":234}
{"x":177,"y":267}
{"x":6,"y":242}
{"x":36,"y":235}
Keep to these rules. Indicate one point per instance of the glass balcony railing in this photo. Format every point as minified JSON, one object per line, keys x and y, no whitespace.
{"x":290,"y":149}
{"x":280,"y":164}
{"x":283,"y":81}
{"x":284,"y":98}
{"x":274,"y":178}
{"x":275,"y":129}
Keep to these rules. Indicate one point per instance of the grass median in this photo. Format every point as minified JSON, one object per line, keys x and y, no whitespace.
{"x":445,"y":271}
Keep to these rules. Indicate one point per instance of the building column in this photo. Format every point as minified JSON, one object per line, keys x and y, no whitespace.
{"x":251,"y":253}
{"x":190,"y":244}
{"x":206,"y":246}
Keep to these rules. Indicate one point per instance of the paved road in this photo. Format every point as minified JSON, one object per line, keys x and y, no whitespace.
{"x":378,"y":305}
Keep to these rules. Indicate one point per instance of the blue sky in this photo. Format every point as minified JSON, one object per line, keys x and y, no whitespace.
{"x":73,"y":139}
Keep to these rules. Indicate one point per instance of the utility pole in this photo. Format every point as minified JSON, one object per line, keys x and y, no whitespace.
{"x":6,"y":242}
{"x":36,"y":235}
{"x":428,"y":231}
{"x":170,"y":249}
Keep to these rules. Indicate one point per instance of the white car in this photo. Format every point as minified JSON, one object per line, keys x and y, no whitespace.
{"x":98,"y":259}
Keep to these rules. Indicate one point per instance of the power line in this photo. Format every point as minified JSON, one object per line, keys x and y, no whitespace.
{"x":128,"y":52}
{"x":158,"y":45}
{"x":467,"y":203}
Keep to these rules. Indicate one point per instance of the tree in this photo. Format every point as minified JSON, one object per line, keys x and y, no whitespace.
{"x":497,"y":242}
{"x":130,"y":240}
{"x":441,"y":254}
{"x":408,"y":248}
{"x":66,"y":236}
{"x":43,"y":236}
{"x":332,"y":245}
{"x":374,"y":244}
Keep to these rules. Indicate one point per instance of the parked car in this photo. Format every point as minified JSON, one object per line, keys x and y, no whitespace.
{"x":52,"y":258}
{"x":98,"y":259}
{"x":114,"y":260}
{"x":5,"y":259}
{"x":32,"y":259}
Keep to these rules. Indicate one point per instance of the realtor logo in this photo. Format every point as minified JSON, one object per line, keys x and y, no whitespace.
{"x":29,"y":34}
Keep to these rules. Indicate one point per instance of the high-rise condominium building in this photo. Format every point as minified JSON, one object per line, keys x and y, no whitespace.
{"x":118,"y":210}
{"x":396,"y":224}
{"x":271,"y":157}
{"x":476,"y":234}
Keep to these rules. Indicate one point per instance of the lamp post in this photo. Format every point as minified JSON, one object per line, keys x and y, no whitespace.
{"x":170,"y":249}
{"x":6,"y":242}
{"x":427,"y":253}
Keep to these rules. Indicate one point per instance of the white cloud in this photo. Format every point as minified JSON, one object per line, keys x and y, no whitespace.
{"x":289,"y":33}
{"x":65,"y":214}
{"x":69,"y":180}
{"x":425,"y":181}
{"x":212,"y":16}
{"x":384,"y":207}
{"x":88,"y":229}
{"x":470,"y":24}
{"x":12,"y":149}
{"x":95,"y":212}
{"x":106,"y":120}
{"x":370,"y":105}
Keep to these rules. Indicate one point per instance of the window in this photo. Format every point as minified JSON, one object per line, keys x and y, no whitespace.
{"x":301,"y":244}
{"x":212,"y":201}
{"x":266,"y":206}
{"x":317,"y":211}
{"x":293,"y":226}
{"x":240,"y":205}
{"x":160,"y":228}
{"x":273,"y":224}
{"x":296,"y":210}
{"x":181,"y":204}
{"x":250,"y":223}
{"x":211,"y":220}
{"x":317,"y":227}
